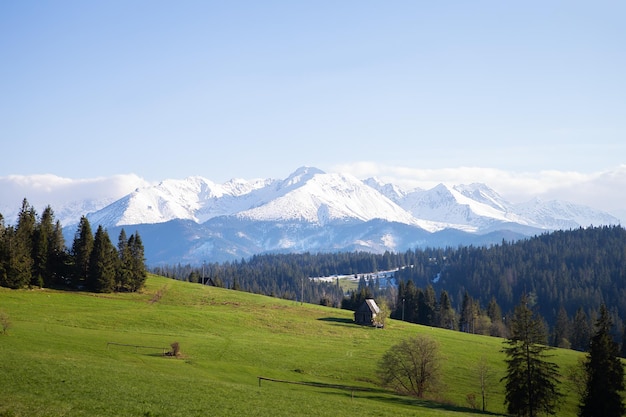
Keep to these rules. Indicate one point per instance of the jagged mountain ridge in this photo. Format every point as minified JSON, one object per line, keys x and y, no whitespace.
{"x":195,"y":220}
{"x":312,"y":196}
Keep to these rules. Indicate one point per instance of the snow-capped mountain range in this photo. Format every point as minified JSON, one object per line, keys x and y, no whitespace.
{"x":195,"y":220}
{"x":312,"y":196}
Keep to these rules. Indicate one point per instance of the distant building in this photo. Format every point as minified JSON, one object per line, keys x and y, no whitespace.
{"x":366,"y":313}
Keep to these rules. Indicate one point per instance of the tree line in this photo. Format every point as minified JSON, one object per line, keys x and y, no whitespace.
{"x":33,"y":254}
{"x":565,"y":275}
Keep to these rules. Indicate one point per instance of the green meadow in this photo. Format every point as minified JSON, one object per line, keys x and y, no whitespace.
{"x":83,"y":354}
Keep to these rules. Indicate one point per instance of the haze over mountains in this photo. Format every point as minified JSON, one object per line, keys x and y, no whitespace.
{"x":195,"y":220}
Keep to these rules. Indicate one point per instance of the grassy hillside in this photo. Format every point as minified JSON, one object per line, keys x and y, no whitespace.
{"x":55,"y":360}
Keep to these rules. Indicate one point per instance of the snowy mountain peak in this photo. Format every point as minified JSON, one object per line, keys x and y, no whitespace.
{"x":391,"y":191}
{"x":318,"y":198}
{"x":301,"y":175}
{"x":483,"y":194}
{"x":238,"y":187}
{"x":556,"y":214}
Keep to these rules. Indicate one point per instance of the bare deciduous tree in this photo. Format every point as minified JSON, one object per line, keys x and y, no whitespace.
{"x":485,"y":375}
{"x":412,"y":366}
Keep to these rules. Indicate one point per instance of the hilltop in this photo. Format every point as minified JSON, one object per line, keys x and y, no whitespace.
{"x":56,"y":360}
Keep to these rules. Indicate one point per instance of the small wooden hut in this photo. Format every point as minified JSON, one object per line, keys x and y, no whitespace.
{"x":366,"y":313}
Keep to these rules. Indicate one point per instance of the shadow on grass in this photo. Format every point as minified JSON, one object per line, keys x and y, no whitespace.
{"x":343,"y":387}
{"x":339,"y":320}
{"x":395,"y":399}
{"x":416,"y":402}
{"x":383,"y":395}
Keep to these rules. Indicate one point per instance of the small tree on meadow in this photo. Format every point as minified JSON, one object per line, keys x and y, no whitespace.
{"x":412,"y":366}
{"x":485,"y":377}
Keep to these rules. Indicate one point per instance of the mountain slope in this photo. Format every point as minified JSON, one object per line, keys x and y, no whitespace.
{"x":194,"y":198}
{"x":320,"y":198}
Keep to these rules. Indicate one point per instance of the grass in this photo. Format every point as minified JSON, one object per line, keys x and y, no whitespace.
{"x":55,"y":360}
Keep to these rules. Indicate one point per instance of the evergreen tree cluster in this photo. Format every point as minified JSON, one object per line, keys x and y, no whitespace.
{"x":532,"y":380}
{"x":566,"y":275}
{"x":33,"y":254}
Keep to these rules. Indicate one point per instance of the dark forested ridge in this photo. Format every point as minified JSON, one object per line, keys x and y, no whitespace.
{"x":566,"y":275}
{"x":575,"y":269}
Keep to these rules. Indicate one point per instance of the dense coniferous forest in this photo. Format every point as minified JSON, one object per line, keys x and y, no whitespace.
{"x":33,"y":254}
{"x":565,"y":275}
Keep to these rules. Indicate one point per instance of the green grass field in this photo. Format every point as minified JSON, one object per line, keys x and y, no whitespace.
{"x":56,"y":360}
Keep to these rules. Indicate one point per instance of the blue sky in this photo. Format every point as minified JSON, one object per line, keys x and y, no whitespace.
{"x":529,"y":97}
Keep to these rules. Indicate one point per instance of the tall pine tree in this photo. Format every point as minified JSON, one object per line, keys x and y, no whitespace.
{"x":102,"y":263}
{"x":605,"y":373}
{"x":531,"y":381}
{"x":81,"y":251}
{"x":125,"y":265}
{"x":58,"y":257}
{"x":581,"y":331}
{"x":469,"y":313}
{"x":4,"y":252}
{"x":43,"y":235}
{"x":138,"y":264}
{"x":446,"y":314}
{"x":20,"y":271}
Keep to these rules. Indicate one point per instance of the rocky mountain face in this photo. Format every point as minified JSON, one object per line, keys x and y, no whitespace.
{"x":196,"y":220}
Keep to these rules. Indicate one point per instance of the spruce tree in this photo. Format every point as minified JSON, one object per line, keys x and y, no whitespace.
{"x":125,"y":265}
{"x":138,"y":264}
{"x":581,"y":331}
{"x":623,"y":346}
{"x":531,"y":381}
{"x":604,"y":373}
{"x":407,"y":302}
{"x":81,"y":251}
{"x":58,"y":258}
{"x":562,"y":330}
{"x":469,"y":310}
{"x":4,"y":252}
{"x":494,"y":312}
{"x":42,"y":238}
{"x":446,"y":314}
{"x":426,"y":306}
{"x":21,"y":247}
{"x":102,"y":263}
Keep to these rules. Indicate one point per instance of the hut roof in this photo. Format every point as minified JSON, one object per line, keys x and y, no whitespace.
{"x":372,"y":305}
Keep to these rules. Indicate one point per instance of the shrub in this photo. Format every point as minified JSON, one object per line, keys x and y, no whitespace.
{"x":175,"y":350}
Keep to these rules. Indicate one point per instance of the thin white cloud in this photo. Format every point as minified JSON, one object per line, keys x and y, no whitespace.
{"x":47,"y":189}
{"x":601,"y":190}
